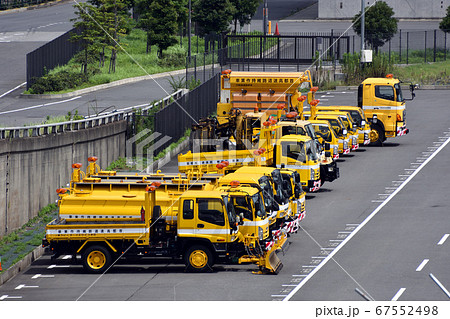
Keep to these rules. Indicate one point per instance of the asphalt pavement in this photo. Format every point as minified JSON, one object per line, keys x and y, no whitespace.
{"x":381,"y":256}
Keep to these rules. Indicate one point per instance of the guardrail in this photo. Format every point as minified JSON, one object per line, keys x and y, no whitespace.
{"x":87,"y":122}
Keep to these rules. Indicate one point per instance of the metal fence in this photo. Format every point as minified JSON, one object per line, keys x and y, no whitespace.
{"x":292,"y":52}
{"x":56,"y":52}
{"x":176,"y":118}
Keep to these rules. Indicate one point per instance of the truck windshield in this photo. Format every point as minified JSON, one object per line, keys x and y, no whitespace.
{"x":264,"y":182}
{"x":260,"y":211}
{"x":346,"y":122}
{"x":277,"y":179}
{"x":310,"y":131}
{"x":336,"y":126}
{"x":311,"y":150}
{"x":323,"y":131}
{"x":242,"y":206}
{"x":398,"y":91}
{"x":287,"y":182}
{"x":230,"y":210}
{"x":294,"y":150}
{"x":356,"y":117}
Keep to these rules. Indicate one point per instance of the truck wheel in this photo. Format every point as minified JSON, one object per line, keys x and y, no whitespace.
{"x":198,"y":258}
{"x":376,"y":135}
{"x":96,"y":259}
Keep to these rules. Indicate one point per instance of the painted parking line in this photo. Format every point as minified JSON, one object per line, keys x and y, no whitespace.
{"x":422,"y":265}
{"x":443,"y":239}
{"x":24,"y":286}
{"x":373,"y":214}
{"x":9,"y":297}
{"x":42,"y":276}
{"x":398,"y":294}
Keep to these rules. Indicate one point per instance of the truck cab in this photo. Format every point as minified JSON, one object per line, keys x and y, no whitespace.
{"x":340,"y":130}
{"x":299,"y":153}
{"x":385,"y":107}
{"x":358,"y":117}
{"x":350,"y":126}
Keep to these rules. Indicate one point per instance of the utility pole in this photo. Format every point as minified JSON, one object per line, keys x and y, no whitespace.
{"x":362,"y":24}
{"x":265,"y":17}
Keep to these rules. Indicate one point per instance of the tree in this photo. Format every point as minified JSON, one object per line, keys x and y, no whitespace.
{"x":213,"y":15}
{"x":159,"y":19}
{"x":445,"y":22}
{"x":244,"y":11}
{"x":380,"y":25}
{"x":113,"y":17}
{"x":88,"y":33}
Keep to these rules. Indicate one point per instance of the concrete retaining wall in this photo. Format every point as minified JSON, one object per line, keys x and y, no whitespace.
{"x":31,"y":169}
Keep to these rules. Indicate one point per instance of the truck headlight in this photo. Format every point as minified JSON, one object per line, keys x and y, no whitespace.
{"x":312,"y":174}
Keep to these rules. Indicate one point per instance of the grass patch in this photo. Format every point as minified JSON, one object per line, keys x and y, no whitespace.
{"x":437,"y":73}
{"x":133,"y":61}
{"x":22,"y":241}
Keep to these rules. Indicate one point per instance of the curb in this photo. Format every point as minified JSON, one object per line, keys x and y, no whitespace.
{"x":21,"y":265}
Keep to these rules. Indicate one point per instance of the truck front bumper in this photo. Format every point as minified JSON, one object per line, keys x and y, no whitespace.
{"x":329,"y":172}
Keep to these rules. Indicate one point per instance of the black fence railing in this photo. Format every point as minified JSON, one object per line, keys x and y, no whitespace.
{"x":177,"y":117}
{"x":284,"y":49}
{"x":52,"y":54}
{"x":293,"y":52}
{"x":11,"y":4}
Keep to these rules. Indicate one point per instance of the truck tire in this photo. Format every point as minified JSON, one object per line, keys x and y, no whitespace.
{"x":96,"y":259}
{"x":198,"y":258}
{"x":376,"y":135}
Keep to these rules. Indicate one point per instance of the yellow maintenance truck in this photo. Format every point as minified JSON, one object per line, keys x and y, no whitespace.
{"x":325,"y":131}
{"x":340,"y":130}
{"x":291,"y":124}
{"x":384,"y":106}
{"x":350,"y":126}
{"x":358,"y":117}
{"x":200,"y":227}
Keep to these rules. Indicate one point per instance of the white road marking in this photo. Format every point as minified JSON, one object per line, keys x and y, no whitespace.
{"x":422,"y":265}
{"x":6,"y":93}
{"x":443,"y":239}
{"x":440,"y":285}
{"x":42,"y":276}
{"x":398,"y":294}
{"x":10,"y":297}
{"x":58,"y":266}
{"x":40,"y":105}
{"x":23,"y":286}
{"x":373,"y":214}
{"x":67,"y":257}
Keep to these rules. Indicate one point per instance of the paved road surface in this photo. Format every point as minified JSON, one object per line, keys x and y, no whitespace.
{"x":381,"y":259}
